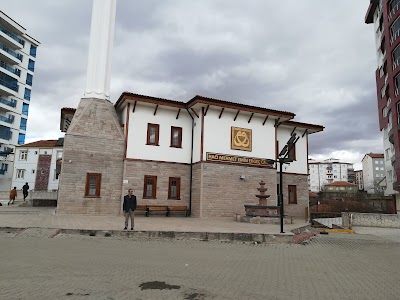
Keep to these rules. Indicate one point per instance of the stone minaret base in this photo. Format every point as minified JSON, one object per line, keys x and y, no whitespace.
{"x":94,"y":143}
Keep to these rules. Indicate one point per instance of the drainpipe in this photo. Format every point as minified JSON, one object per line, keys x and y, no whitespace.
{"x":191,"y":167}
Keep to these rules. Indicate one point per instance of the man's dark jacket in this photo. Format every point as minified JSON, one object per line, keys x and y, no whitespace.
{"x":129,"y":203}
{"x":25,"y":188}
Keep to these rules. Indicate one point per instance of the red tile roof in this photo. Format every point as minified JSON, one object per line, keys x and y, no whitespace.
{"x":312,"y":194}
{"x":42,"y":143}
{"x":375,"y":155}
{"x":340,"y":183}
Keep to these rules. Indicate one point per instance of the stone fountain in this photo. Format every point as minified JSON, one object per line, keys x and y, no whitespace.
{"x":261,"y":213}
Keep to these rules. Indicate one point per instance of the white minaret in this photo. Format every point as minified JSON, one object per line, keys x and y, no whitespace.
{"x":100,"y":48}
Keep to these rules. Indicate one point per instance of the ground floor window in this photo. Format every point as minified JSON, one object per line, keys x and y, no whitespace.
{"x":93,"y":185}
{"x":292,"y":194}
{"x":20,"y":174}
{"x":174,"y":188}
{"x":150,"y":187}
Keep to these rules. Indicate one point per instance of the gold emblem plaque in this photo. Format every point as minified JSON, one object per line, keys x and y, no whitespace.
{"x":241,"y":139}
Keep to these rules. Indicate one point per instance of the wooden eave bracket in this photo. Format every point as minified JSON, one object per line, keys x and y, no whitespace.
{"x":277,"y":123}
{"x":155,"y":111}
{"x":294,"y":129}
{"x":265,"y":120}
{"x":194,"y":112}
{"x":205,"y":113}
{"x":134,"y":107}
{"x":252,"y":114}
{"x":177,"y":116}
{"x":236,"y":115}
{"x":222,"y":110}
{"x":306,"y":131}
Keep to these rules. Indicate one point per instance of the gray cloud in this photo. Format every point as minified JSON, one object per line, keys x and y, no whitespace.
{"x":315,"y":61}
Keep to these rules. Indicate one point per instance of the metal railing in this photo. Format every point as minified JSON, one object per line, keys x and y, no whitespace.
{"x":8,"y":102}
{"x":13,"y":36}
{"x":9,"y":85}
{"x":9,"y":51}
{"x":8,"y":68}
{"x":9,"y":119}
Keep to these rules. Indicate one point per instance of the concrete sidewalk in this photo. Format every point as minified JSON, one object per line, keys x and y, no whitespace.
{"x":36,"y":217}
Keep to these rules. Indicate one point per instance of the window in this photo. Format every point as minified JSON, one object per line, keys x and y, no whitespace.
{"x":292,"y":194}
{"x":176,"y":137}
{"x":29,"y":79}
{"x":31,"y":65}
{"x":27,"y":94}
{"x":20,"y":174}
{"x":56,"y":175}
{"x":394,"y":30}
{"x":174,"y":187}
{"x":23,"y":155}
{"x":381,"y":168}
{"x":376,"y":175}
{"x":33,"y":171}
{"x":396,"y":57}
{"x":23,"y":124}
{"x":376,"y":162}
{"x":292,"y":153}
{"x":381,"y":162}
{"x":150,"y":186}
{"x":33,"y":51}
{"x":25,"y":109}
{"x":377,"y":168}
{"x":21,"y":138}
{"x":93,"y":185}
{"x":4,"y":167}
{"x":59,"y":154}
{"x":152,"y":134}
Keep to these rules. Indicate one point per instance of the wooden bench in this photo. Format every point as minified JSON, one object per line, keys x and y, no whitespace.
{"x":178,"y":208}
{"x":141,"y":208}
{"x":157,"y":208}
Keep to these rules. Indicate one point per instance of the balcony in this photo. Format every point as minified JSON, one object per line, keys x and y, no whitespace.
{"x":10,"y":39}
{"x":9,"y":119}
{"x":5,"y":133}
{"x":20,"y":41}
{"x":8,"y":88}
{"x":9,"y":55}
{"x":393,"y":11}
{"x":11,"y":103}
{"x":390,"y":135}
{"x":9,"y":69}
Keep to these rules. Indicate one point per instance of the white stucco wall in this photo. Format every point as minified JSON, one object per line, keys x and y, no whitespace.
{"x":165,"y":117}
{"x":217,"y":134}
{"x":300,"y":164}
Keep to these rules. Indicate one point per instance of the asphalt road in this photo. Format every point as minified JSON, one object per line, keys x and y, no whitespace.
{"x":336,"y":266}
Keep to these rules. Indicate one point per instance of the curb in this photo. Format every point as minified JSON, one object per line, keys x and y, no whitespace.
{"x":199,"y":236}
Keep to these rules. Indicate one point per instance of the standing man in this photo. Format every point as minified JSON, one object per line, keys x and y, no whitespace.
{"x":13,"y":195}
{"x":25,"y":189}
{"x":129,"y":208}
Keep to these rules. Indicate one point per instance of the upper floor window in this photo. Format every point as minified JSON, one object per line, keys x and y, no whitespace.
{"x":29,"y":79}
{"x":150,"y":187}
{"x":31,"y":65}
{"x":27,"y":94}
{"x":33,"y":51}
{"x":25,"y":109}
{"x":153,"y":134}
{"x":23,"y":155}
{"x":23,"y":124}
{"x":20,"y":174}
{"x":176,"y":137}
{"x":396,"y":57}
{"x":93,"y":185}
{"x":398,"y":112}
{"x":21,"y":139}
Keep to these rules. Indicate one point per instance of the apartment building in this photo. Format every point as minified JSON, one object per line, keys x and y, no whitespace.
{"x":359,"y":179}
{"x":373,"y":165}
{"x":327,"y":171}
{"x":17,"y":67}
{"x":38,"y":164}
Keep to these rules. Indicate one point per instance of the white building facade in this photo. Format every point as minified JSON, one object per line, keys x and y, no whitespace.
{"x":210,"y":154}
{"x":373,"y":165}
{"x":17,"y":66}
{"x":36,"y":164}
{"x":359,"y":179}
{"x":326,"y":172}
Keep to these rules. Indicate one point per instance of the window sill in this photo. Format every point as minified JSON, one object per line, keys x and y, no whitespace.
{"x":152,"y":144}
{"x":292,"y":203}
{"x":91,"y":197}
{"x":148,"y":198}
{"x":176,"y":146}
{"x":174,"y":198}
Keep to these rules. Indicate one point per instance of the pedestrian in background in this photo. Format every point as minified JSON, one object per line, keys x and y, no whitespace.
{"x":13,"y":195}
{"x":25,"y":189}
{"x":129,"y":208}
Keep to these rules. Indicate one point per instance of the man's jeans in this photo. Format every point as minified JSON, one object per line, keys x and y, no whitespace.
{"x":128,"y":215}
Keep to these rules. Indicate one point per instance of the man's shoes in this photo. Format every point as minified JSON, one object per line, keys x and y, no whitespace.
{"x":131,"y":228}
{"x":8,"y":203}
{"x":125,"y":228}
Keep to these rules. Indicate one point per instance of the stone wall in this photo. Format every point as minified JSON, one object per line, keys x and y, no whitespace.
{"x":301,"y":183}
{"x":196,"y":190}
{"x":135,"y":170}
{"x":350,"y":219}
{"x":224,"y":193}
{"x":94,"y":143}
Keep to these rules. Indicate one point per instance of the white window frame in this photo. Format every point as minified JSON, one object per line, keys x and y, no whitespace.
{"x":20,"y":174}
{"x":23,"y":155}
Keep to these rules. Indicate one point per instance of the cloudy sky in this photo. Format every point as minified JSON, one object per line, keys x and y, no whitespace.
{"x":316,"y":60}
